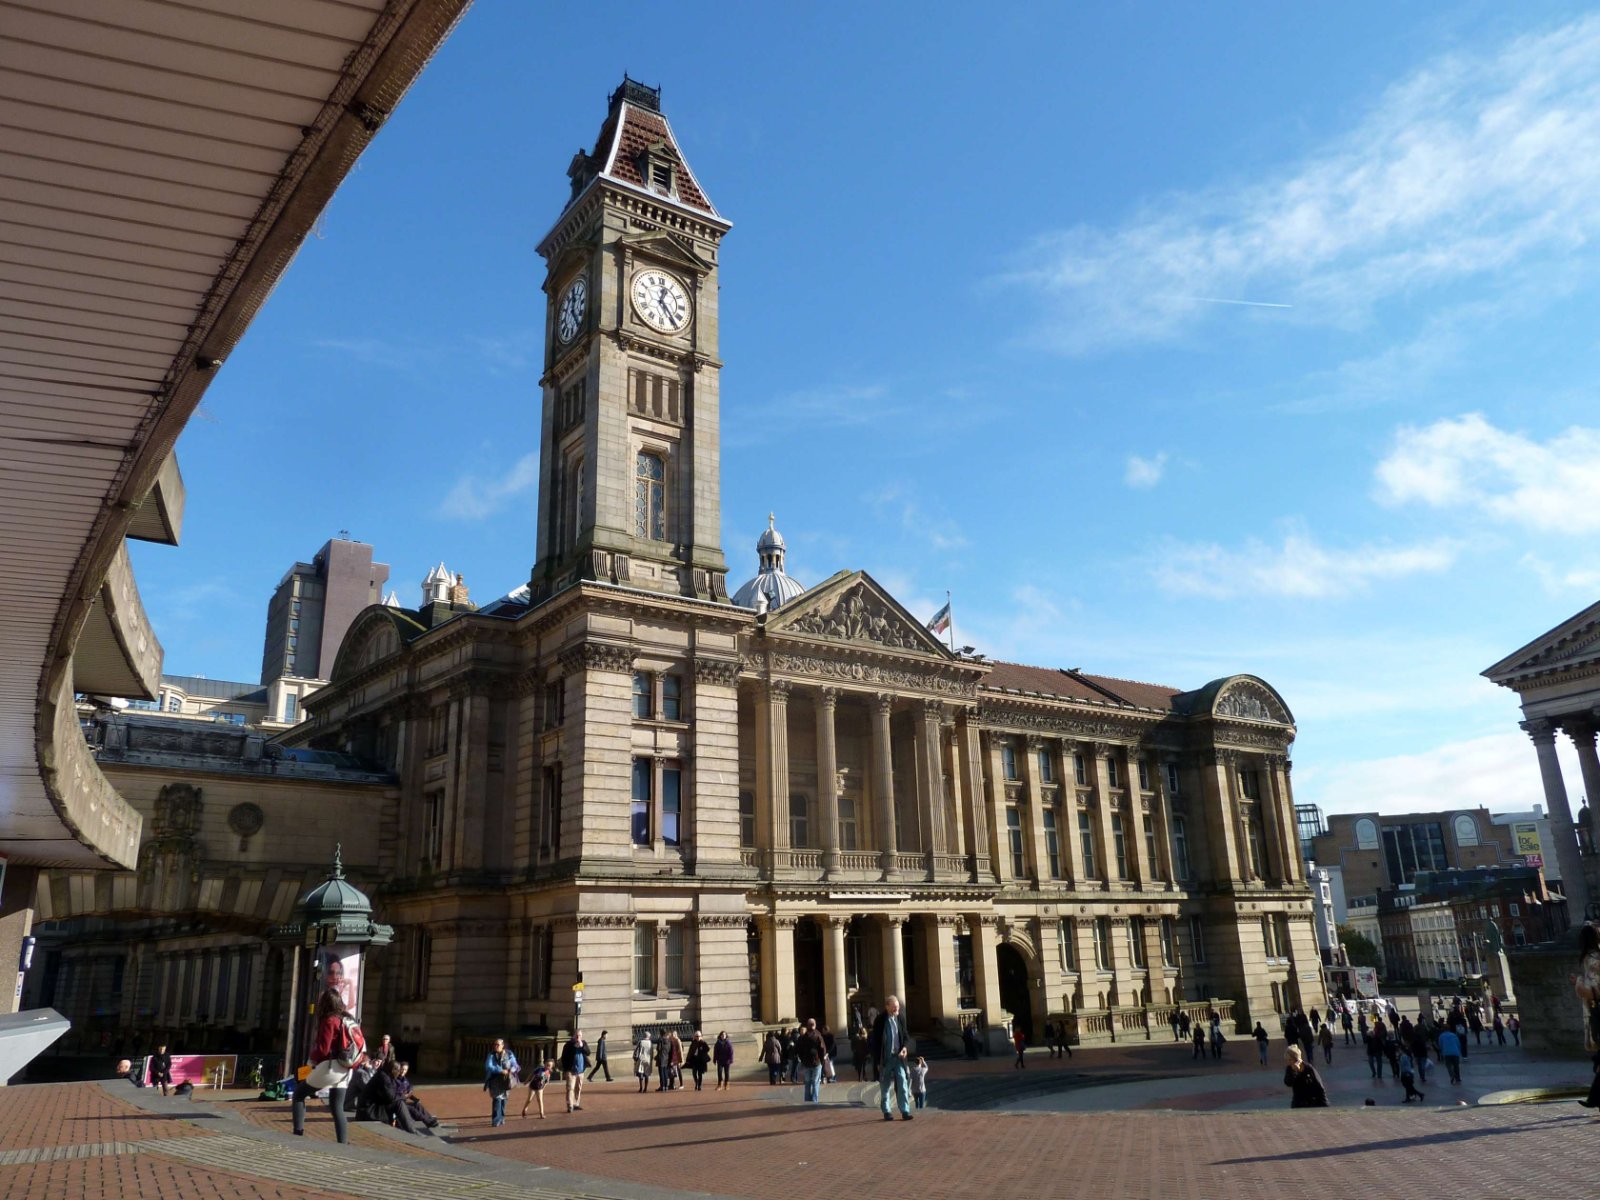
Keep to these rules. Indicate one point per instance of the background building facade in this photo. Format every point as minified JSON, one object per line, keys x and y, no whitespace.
{"x":313,"y":606}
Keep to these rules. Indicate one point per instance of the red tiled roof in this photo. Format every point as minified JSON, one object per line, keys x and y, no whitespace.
{"x":1052,"y":681}
{"x":641,"y":129}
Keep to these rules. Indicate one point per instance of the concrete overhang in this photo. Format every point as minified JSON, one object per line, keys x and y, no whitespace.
{"x":160,"y":165}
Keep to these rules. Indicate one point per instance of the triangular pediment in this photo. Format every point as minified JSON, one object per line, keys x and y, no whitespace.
{"x":1573,"y":643}
{"x":853,"y":607}
{"x":665,"y":248}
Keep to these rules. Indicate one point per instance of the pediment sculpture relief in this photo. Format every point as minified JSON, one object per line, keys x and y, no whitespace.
{"x":860,"y":616}
{"x":1250,"y":702}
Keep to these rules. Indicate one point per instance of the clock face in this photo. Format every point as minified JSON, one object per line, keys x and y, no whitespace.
{"x":570,"y":309}
{"x":660,"y":301}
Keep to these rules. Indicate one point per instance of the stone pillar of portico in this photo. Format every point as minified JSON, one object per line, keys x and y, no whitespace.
{"x":1160,"y":813}
{"x":894,"y":958}
{"x":955,"y":791}
{"x":661,"y":958}
{"x":883,"y":783}
{"x":774,"y":742}
{"x":1033,"y":813}
{"x":1277,"y":777}
{"x":826,"y":701}
{"x":1103,"y":833}
{"x":1067,"y":813}
{"x":836,"y":985}
{"x":986,"y":980}
{"x":777,"y":969}
{"x":930,"y":781}
{"x":1217,"y":815}
{"x":1134,"y":821}
{"x":939,"y":956}
{"x":996,"y":804}
{"x":1273,"y":855}
{"x":1582,"y":733}
{"x":1543,"y":734}
{"x":969,"y":756}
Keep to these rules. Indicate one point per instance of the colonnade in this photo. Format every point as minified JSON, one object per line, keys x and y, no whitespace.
{"x":1581,"y":728}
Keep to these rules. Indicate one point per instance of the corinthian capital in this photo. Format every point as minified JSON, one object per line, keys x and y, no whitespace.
{"x":1542,"y":732}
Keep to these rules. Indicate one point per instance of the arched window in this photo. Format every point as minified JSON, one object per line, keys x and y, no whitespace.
{"x":650,"y":497}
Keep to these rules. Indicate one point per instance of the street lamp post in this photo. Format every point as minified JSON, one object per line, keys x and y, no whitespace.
{"x":334,"y":931}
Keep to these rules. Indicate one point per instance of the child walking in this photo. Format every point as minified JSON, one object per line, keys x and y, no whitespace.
{"x":919,"y":1082}
{"x":537,"y":1078}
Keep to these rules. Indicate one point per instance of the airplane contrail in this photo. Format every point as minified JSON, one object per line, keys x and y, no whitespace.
{"x":1246,"y":303}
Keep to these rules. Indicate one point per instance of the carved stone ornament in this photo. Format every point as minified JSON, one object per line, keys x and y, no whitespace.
{"x":871,"y":673}
{"x":1249,"y":701}
{"x":597,"y":656}
{"x":720,"y":671}
{"x":721,"y":920}
{"x":993,"y":716}
{"x":860,"y":615}
{"x":246,"y":819}
{"x":605,"y":921}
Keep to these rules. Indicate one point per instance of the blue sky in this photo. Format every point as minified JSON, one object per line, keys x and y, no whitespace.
{"x":1173,"y":340}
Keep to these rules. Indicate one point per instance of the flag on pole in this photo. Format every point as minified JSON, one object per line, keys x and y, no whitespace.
{"x":941,"y":620}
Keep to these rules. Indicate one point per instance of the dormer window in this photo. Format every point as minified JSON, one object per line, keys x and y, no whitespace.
{"x":658,"y":167}
{"x":661,"y":177}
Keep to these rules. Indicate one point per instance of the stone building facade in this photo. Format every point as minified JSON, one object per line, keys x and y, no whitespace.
{"x":720,"y":815}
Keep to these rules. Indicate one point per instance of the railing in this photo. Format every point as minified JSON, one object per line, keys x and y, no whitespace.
{"x":1094,"y":1025}
{"x":806,"y":860}
{"x":750,"y":858}
{"x":970,"y":1018}
{"x":1133,"y":1020}
{"x":858,"y":860}
{"x":910,"y":864}
{"x":952,"y":864}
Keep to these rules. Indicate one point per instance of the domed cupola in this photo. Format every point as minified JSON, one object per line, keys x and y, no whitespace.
{"x":770,"y":581}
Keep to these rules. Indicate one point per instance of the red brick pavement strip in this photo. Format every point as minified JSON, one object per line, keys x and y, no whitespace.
{"x":140,"y":1177}
{"x":74,"y":1114}
{"x":739,"y":1143}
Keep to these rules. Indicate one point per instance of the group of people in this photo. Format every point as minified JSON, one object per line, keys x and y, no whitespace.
{"x":806,"y":1054}
{"x":667,"y":1056}
{"x":576,"y":1063}
{"x":1206,"y":1036}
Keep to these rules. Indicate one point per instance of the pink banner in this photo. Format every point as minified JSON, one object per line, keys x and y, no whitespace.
{"x":199,"y":1069}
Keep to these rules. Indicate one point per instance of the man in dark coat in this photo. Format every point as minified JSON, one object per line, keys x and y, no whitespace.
{"x":888,"y":1048}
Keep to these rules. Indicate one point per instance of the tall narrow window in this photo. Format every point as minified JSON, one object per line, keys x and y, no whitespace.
{"x":1080,"y":770}
{"x":675,"y":957}
{"x":642,"y":707}
{"x":433,"y":847}
{"x":671,"y":802}
{"x":1008,"y":761}
{"x":1144,"y":776}
{"x":1250,"y":783}
{"x":1047,"y":767}
{"x":419,"y":966}
{"x":1172,"y":778}
{"x":1019,"y":862}
{"x":1167,"y":958}
{"x":1253,"y":833}
{"x":1197,"y":938}
{"x":847,"y":823}
{"x":1052,"y":842}
{"x":642,"y":770}
{"x":650,"y":497}
{"x":672,"y":697}
{"x":799,"y":821}
{"x":1136,"y":941}
{"x":290,"y":706}
{"x":644,"y":956}
{"x":550,"y":811}
{"x":1111,"y":773}
{"x":1102,"y":943}
{"x":1086,"y":843}
{"x":1151,"y":846}
{"x":1069,"y":952}
{"x":1180,"y":847}
{"x":1119,"y":843}
{"x":747,"y":819}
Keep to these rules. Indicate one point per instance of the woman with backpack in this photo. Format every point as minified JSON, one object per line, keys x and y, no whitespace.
{"x":499,"y":1075}
{"x":335,"y":1050}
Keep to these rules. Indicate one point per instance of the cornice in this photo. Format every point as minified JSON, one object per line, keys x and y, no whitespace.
{"x":870,"y":668}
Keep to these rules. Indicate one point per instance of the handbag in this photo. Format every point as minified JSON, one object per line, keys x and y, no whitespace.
{"x":327,"y":1074}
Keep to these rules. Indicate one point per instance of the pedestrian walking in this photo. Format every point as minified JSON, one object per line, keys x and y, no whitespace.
{"x":1020,"y":1040}
{"x":574,"y":1061}
{"x":499,"y":1074}
{"x":161,"y":1068}
{"x":919,"y":1082}
{"x":1261,"y":1037}
{"x":698,"y":1059}
{"x":772,"y":1055}
{"x":1305,"y":1086}
{"x":1175,"y":1021}
{"x":858,"y":1051}
{"x":601,"y":1059}
{"x":1450,"y":1051}
{"x":830,"y":1051}
{"x":1514,"y":1028}
{"x":1348,"y":1026}
{"x":1199,"y":1042}
{"x":538,"y":1075}
{"x":888,"y":1048}
{"x":1325,"y":1040}
{"x":335,"y":1051}
{"x":1217,"y":1040}
{"x":722,"y":1055}
{"x":643,"y":1055}
{"x":969,"y":1039}
{"x":1050,"y":1037}
{"x":674,"y":1061}
{"x":1499,"y":1030}
{"x":810,"y":1051}
{"x":1408,"y":1078}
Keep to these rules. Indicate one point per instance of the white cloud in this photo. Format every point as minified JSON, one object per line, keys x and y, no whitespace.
{"x":905,"y":504}
{"x":1145,"y":472}
{"x":1498,"y":771}
{"x":475,"y":497}
{"x":1467,"y":462}
{"x":1581,"y":577}
{"x":1298,"y":566}
{"x":1473,"y":167}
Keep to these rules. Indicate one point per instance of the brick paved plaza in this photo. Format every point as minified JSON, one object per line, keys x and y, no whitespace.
{"x":1172,"y":1138}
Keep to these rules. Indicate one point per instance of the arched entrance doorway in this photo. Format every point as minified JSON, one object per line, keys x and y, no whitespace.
{"x":1015,"y":995}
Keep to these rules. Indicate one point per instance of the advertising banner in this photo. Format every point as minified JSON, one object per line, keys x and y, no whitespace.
{"x":199,"y":1069}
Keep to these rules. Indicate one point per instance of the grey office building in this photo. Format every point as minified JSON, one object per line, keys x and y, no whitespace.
{"x":313,"y":606}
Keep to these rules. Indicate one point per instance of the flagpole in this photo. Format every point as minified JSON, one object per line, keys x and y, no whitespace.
{"x":950,"y":627}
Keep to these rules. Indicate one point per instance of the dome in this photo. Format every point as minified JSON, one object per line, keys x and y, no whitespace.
{"x":770,"y":581}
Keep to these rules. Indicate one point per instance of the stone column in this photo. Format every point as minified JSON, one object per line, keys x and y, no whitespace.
{"x":774,"y":736}
{"x":777,"y":969}
{"x":1033,"y":812}
{"x":1160,"y":813}
{"x":894,"y":958}
{"x":1067,"y":812}
{"x":1107,"y":840}
{"x":661,"y":958}
{"x":999,"y":832}
{"x":1278,"y":765}
{"x":1278,"y":867}
{"x":1582,"y":733}
{"x":930,"y":779}
{"x":883,"y":782}
{"x":955,"y":804}
{"x":986,"y":980}
{"x":1543,"y":734}
{"x":969,"y":755}
{"x":836,"y":986}
{"x":826,"y":702}
{"x":1134,"y":821}
{"x":939,"y":954}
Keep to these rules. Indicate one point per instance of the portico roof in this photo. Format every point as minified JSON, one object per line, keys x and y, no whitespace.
{"x":160,"y":165}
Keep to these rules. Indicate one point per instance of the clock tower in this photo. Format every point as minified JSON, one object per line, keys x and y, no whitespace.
{"x":630,"y":446}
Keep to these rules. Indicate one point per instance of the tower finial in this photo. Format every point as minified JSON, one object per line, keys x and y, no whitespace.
{"x":338,"y":861}
{"x":771,"y":519}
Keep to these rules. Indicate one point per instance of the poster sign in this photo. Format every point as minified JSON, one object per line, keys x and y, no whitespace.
{"x":1528,"y":840}
{"x":198,"y":1069}
{"x":339,"y":968}
{"x":1533,"y":860}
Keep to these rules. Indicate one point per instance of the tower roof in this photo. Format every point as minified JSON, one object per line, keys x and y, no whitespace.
{"x":770,"y":581}
{"x":635,"y":129}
